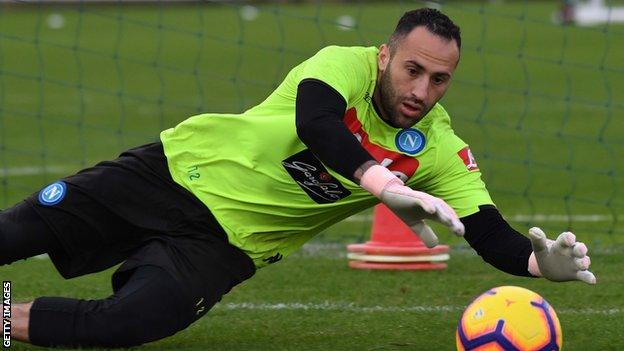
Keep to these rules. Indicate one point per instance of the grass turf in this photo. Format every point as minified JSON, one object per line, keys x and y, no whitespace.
{"x":313,"y":301}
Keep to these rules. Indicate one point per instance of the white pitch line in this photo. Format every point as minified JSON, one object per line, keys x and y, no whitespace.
{"x":562,"y":218}
{"x":538,"y":217}
{"x":34,"y":170}
{"x":328,"y":306}
{"x":351,"y":307}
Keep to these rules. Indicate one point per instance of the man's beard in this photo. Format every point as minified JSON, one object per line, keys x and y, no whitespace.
{"x":389,"y":101}
{"x":387,"y":97}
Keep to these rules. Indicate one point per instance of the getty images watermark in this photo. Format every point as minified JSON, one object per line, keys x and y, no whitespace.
{"x":6,"y":314}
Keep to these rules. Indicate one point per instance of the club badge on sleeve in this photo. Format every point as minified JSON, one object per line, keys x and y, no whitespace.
{"x":53,"y":193}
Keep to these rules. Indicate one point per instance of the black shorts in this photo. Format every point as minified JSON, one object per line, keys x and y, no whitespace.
{"x":131,"y":210}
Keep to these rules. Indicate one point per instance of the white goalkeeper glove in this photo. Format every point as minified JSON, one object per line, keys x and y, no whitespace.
{"x":561,"y":260}
{"x":409,"y":205}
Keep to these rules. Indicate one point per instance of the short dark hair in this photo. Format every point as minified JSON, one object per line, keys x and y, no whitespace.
{"x":435,"y":21}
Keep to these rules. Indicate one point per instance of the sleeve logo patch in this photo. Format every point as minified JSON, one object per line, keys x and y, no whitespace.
{"x":313,"y":178}
{"x":468,"y":158}
{"x":410,"y":141}
{"x":53,"y":194}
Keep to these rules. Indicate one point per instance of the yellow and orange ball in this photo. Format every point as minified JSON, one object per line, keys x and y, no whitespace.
{"x":509,"y":318}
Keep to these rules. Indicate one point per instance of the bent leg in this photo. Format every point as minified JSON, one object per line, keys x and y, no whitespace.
{"x":148,"y":307}
{"x":23,"y":234}
{"x":161,"y":289}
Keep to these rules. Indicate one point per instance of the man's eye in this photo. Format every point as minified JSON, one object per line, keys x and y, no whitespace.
{"x":412,"y":71}
{"x":438,"y":80}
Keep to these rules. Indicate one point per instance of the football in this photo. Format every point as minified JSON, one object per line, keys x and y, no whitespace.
{"x":509,"y":318}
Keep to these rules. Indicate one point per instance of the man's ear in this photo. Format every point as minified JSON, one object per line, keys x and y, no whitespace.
{"x":384,"y":57}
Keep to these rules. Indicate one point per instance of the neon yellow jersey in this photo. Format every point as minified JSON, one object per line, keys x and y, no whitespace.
{"x":271,"y":194}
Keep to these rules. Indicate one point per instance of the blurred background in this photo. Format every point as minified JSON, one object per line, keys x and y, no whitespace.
{"x":538,"y":95}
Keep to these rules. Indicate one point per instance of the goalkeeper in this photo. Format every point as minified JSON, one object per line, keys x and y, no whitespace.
{"x":221,"y":195}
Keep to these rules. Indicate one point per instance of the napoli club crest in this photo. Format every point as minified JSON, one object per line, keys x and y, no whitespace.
{"x":53,"y":194}
{"x":410,"y":141}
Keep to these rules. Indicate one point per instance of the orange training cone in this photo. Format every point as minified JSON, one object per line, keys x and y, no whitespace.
{"x":393,"y":245}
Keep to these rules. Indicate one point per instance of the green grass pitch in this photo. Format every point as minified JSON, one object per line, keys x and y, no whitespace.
{"x":540,"y":105}
{"x":313,"y":301}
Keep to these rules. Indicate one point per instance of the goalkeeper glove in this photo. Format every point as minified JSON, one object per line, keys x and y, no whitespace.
{"x":560,"y":260}
{"x":412,"y":207}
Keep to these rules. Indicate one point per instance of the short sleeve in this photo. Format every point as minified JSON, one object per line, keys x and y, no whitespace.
{"x":346,"y":69}
{"x":457,"y":179}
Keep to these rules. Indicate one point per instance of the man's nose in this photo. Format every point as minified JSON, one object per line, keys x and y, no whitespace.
{"x":420,"y":88}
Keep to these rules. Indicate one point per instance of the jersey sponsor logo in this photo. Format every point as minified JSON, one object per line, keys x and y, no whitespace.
{"x":53,"y":194}
{"x":411,"y":141}
{"x":466,"y":155}
{"x":313,"y":178}
{"x":403,"y":166}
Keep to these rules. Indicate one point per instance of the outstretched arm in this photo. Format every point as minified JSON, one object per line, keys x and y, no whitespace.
{"x":508,"y":250}
{"x":497,"y":242}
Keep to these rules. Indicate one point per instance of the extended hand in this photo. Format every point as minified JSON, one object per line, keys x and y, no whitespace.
{"x":409,"y":205}
{"x":561,"y":260}
{"x":414,"y":206}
